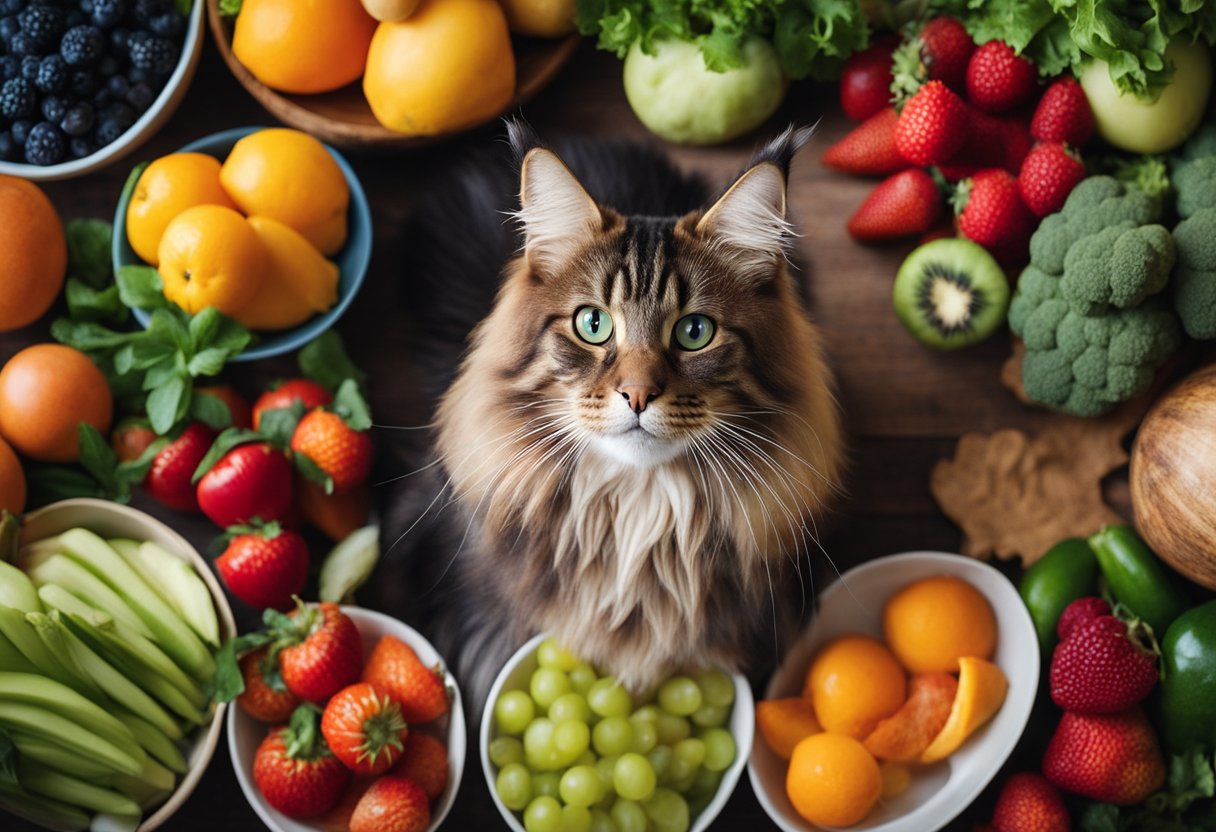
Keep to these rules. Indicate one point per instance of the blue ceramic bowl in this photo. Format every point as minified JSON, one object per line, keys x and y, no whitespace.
{"x":352,"y":260}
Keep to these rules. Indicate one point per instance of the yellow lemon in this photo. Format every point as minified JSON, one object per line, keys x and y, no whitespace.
{"x":290,"y":176}
{"x":167,"y":187}
{"x":297,"y":284}
{"x":447,"y":66}
{"x":210,"y":256}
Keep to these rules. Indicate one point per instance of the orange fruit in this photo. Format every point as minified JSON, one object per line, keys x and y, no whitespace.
{"x":785,"y":722}
{"x":297,"y":284}
{"x":931,"y":623}
{"x":210,"y":256}
{"x":289,"y":176}
{"x":335,"y":515}
{"x":981,"y":692}
{"x":447,"y":66}
{"x":167,"y":187}
{"x":12,"y":481}
{"x":832,"y":780}
{"x":896,"y":777}
{"x":904,"y":735}
{"x":303,"y":46}
{"x":854,"y":681}
{"x":46,"y":391}
{"x":33,"y":253}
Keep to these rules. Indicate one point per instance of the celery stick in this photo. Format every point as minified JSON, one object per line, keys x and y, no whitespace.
{"x":153,"y":776}
{"x":43,"y":723}
{"x":13,"y":660}
{"x":46,"y":693}
{"x":22,"y":635}
{"x":175,"y":580}
{"x":17,"y":590}
{"x":40,"y":779}
{"x":155,"y":742}
{"x":59,"y":756}
{"x":49,"y":814}
{"x":32,"y":554}
{"x":62,"y":571}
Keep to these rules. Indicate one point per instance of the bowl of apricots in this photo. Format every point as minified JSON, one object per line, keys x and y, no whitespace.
{"x":900,"y":702}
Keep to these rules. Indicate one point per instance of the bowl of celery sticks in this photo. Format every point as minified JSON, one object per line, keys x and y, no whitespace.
{"x":109,"y":621}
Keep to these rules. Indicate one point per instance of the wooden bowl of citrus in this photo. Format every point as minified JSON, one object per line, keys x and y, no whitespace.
{"x":330,"y":69}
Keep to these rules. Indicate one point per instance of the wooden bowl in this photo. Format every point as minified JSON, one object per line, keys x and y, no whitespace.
{"x":343,"y":118}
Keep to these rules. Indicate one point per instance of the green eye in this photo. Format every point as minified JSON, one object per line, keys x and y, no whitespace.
{"x":593,"y":325}
{"x":694,"y":331}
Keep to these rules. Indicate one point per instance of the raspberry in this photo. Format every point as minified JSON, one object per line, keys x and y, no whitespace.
{"x":45,"y":145}
{"x":82,"y":45}
{"x":17,"y":100}
{"x":156,"y":55}
{"x":52,"y":74}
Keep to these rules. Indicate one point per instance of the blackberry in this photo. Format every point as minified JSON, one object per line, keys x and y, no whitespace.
{"x":11,"y":6}
{"x":156,"y":55}
{"x":29,"y":68}
{"x":10,"y":67}
{"x":53,"y":108}
{"x":43,"y":24}
{"x":82,"y":83}
{"x":21,"y":130}
{"x":45,"y":145}
{"x":22,"y":44}
{"x":17,"y":99}
{"x":78,"y":120}
{"x":75,"y":17}
{"x":168,"y":25}
{"x":81,"y":146}
{"x":145,"y":10}
{"x":8,"y":27}
{"x":52,"y":74}
{"x":108,"y":13}
{"x":8,"y":147}
{"x":140,"y":96}
{"x":108,"y":131}
{"x":82,"y":45}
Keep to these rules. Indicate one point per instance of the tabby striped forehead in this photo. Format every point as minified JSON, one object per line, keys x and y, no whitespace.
{"x":644,"y":280}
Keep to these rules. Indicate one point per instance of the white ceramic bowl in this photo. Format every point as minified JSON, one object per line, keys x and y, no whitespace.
{"x":152,"y":119}
{"x":939,"y":792}
{"x":113,"y":520}
{"x":245,"y":733}
{"x":515,"y":675}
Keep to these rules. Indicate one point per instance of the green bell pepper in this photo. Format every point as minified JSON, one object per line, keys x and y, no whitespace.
{"x":1188,"y":683}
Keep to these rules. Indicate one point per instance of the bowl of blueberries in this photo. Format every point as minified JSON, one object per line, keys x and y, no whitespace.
{"x":83,"y":82}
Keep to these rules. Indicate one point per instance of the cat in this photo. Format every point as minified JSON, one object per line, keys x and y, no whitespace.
{"x":636,"y":431}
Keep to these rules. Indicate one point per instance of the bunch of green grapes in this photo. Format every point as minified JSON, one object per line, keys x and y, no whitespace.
{"x":576,"y":753}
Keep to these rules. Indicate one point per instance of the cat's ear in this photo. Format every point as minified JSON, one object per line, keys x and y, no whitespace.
{"x":559,"y":217}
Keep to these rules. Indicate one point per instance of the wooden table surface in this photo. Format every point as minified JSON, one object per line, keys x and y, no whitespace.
{"x":905,"y":405}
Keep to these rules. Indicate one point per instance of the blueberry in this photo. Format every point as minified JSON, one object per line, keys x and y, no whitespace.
{"x":53,"y":108}
{"x":80,"y":146}
{"x":82,"y":45}
{"x":17,"y":99}
{"x":101,"y":98}
{"x":82,"y":83}
{"x":29,"y":68}
{"x":52,"y":74}
{"x":9,"y":27}
{"x":8,"y":147}
{"x":145,"y":10}
{"x":140,"y":96}
{"x":22,"y":44}
{"x":45,"y":145}
{"x":21,"y":129}
{"x":117,"y":86}
{"x":10,"y":67}
{"x":139,"y":76}
{"x":108,"y":13}
{"x":156,"y":55}
{"x":43,"y":24}
{"x":108,"y":131}
{"x":168,"y":25}
{"x":121,"y":112}
{"x":78,"y":120}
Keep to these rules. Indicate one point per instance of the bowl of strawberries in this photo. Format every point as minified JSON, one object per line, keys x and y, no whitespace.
{"x":344,"y":715}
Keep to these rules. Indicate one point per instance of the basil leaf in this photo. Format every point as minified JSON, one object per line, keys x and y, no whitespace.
{"x":171,"y":329}
{"x":279,"y":425}
{"x":52,"y":483}
{"x":89,"y":252}
{"x":212,"y":411}
{"x":98,"y":458}
{"x":87,"y":337}
{"x":351,"y":406}
{"x":167,"y":403}
{"x":88,"y":304}
{"x":209,"y":362}
{"x":229,"y":336}
{"x":326,"y":362}
{"x":161,"y":374}
{"x":203,"y":327}
{"x":141,"y":287}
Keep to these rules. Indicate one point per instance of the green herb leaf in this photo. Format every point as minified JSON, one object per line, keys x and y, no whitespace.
{"x":313,"y":472}
{"x":203,"y":327}
{"x":183,"y":7}
{"x":212,"y":411}
{"x":230,"y":336}
{"x":230,"y":8}
{"x":87,"y":337}
{"x":1100,"y":817}
{"x":224,"y":443}
{"x":814,"y":37}
{"x":229,"y":683}
{"x":209,"y":362}
{"x":171,"y":326}
{"x":279,"y":425}
{"x":88,"y":304}
{"x":141,"y":287}
{"x":52,"y":483}
{"x":351,"y":406}
{"x":167,"y":403}
{"x":89,"y":252}
{"x":326,"y":362}
{"x":133,"y":471}
{"x":162,"y":372}
{"x":98,"y":458}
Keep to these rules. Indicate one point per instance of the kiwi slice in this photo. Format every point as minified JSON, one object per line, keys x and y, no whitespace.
{"x":951,"y":293}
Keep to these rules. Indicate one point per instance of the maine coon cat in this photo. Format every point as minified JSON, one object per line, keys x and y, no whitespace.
{"x":639,"y":432}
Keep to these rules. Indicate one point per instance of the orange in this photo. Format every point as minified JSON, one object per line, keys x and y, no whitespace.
{"x":210,"y":256}
{"x":785,"y":722}
{"x":303,"y":46}
{"x":981,"y":692}
{"x":904,"y":735}
{"x":46,"y":391}
{"x":832,"y":780}
{"x":12,"y":481}
{"x":33,"y":253}
{"x":896,"y":777}
{"x":931,"y":623}
{"x":447,"y":66}
{"x":297,"y":284}
{"x":289,"y":176}
{"x":167,"y":187}
{"x":854,"y":682}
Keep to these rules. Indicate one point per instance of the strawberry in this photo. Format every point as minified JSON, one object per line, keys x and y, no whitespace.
{"x":1029,"y":803}
{"x":904,"y":204}
{"x":1109,"y":757}
{"x":169,"y":477}
{"x":998,"y":79}
{"x":319,"y":651}
{"x":932,"y":125}
{"x":394,"y":667}
{"x":1103,"y":666}
{"x":130,"y":438}
{"x":992,"y":142}
{"x":865,"y":81}
{"x":990,"y":211}
{"x":1078,"y":612}
{"x":342,"y":452}
{"x":238,"y":409}
{"x":938,"y":52}
{"x":392,"y":804}
{"x":249,"y":481}
{"x":869,"y":149}
{"x":364,"y":728}
{"x":1063,"y":114}
{"x":309,"y":393}
{"x":264,"y":566}
{"x":1048,"y":176}
{"x":295,"y":771}
{"x":425,"y":761}
{"x":262,"y":698}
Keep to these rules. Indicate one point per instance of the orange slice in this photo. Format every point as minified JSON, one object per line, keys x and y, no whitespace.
{"x":786,"y":722}
{"x":981,"y":691}
{"x":905,"y":735}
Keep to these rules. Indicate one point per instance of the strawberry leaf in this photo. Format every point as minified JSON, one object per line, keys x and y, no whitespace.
{"x":351,"y":406}
{"x":228,"y":682}
{"x":313,"y":472}
{"x":303,"y":736}
{"x":133,"y":471}
{"x":224,"y":443}
{"x":325,"y":361}
{"x":279,"y":425}
{"x":1100,"y":817}
{"x":212,"y":411}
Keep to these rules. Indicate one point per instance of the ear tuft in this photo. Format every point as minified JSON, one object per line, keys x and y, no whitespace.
{"x":781,"y":149}
{"x":521,"y":137}
{"x":748,"y":224}
{"x":559,"y":217}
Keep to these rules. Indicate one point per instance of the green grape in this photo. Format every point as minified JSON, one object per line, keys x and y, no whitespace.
{"x":540,"y":750}
{"x":581,"y":786}
{"x":604,"y":768}
{"x":612,"y":735}
{"x":719,"y":748}
{"x":633,"y":777}
{"x":587,"y":758}
{"x":608,"y":697}
{"x":679,"y":695}
{"x":691,"y":751}
{"x":582,"y":677}
{"x":686,"y":759}
{"x":546,"y":784}
{"x":647,"y":713}
{"x":547,"y":685}
{"x":514,"y":786}
{"x":681,"y":776}
{"x":660,"y":760}
{"x":544,"y":814}
{"x":576,"y":819}
{"x":629,"y":816}
{"x":710,"y":716}
{"x":667,"y":811}
{"x":706,"y":784}
{"x":698,"y":804}
{"x":514,"y":710}
{"x":717,"y":688}
{"x":553,"y":655}
{"x":571,"y":739}
{"x":570,"y":706}
{"x":672,"y":729}
{"x":506,"y":750}
{"x":645,"y":735}
{"x":601,"y":822}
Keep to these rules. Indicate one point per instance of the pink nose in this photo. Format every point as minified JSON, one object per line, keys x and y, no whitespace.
{"x":639,"y":395}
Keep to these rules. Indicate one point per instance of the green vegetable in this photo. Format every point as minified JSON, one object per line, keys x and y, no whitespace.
{"x":39,"y":691}
{"x":47,"y":782}
{"x":1121,"y":266}
{"x":1188,"y":684}
{"x":44,"y":723}
{"x":49,"y":814}
{"x":1195,"y":183}
{"x":349,"y":565}
{"x":176,"y":582}
{"x":1067,"y":572}
{"x":1137,"y":579}
{"x":1195,"y":275}
{"x":59,"y":756}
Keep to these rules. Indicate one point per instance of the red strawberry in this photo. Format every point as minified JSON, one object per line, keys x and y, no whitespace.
{"x":250,"y":481}
{"x":991,"y":212}
{"x":305,"y":391}
{"x":394,"y":667}
{"x":865,"y":82}
{"x":294,"y":770}
{"x":932,"y":125}
{"x":1078,"y":612}
{"x":323,"y":652}
{"x":1063,"y":114}
{"x":869,"y":149}
{"x":992,"y":142}
{"x":342,"y":452}
{"x":261,"y":699}
{"x":238,"y":408}
{"x":364,"y":728}
{"x":130,"y":438}
{"x":1103,"y":667}
{"x":265,"y":567}
{"x":1048,"y":176}
{"x":425,"y":761}
{"x":939,"y":52}
{"x":1018,"y":143}
{"x":1109,"y":757}
{"x":392,"y":804}
{"x":1029,"y":803}
{"x":998,"y":79}
{"x":169,"y":478}
{"x":904,"y":204}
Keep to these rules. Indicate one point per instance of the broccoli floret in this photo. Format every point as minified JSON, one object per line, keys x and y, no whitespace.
{"x":1195,"y":184}
{"x":1195,"y":275}
{"x":1121,"y":266}
{"x":1095,"y":203}
{"x":1201,"y":143}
